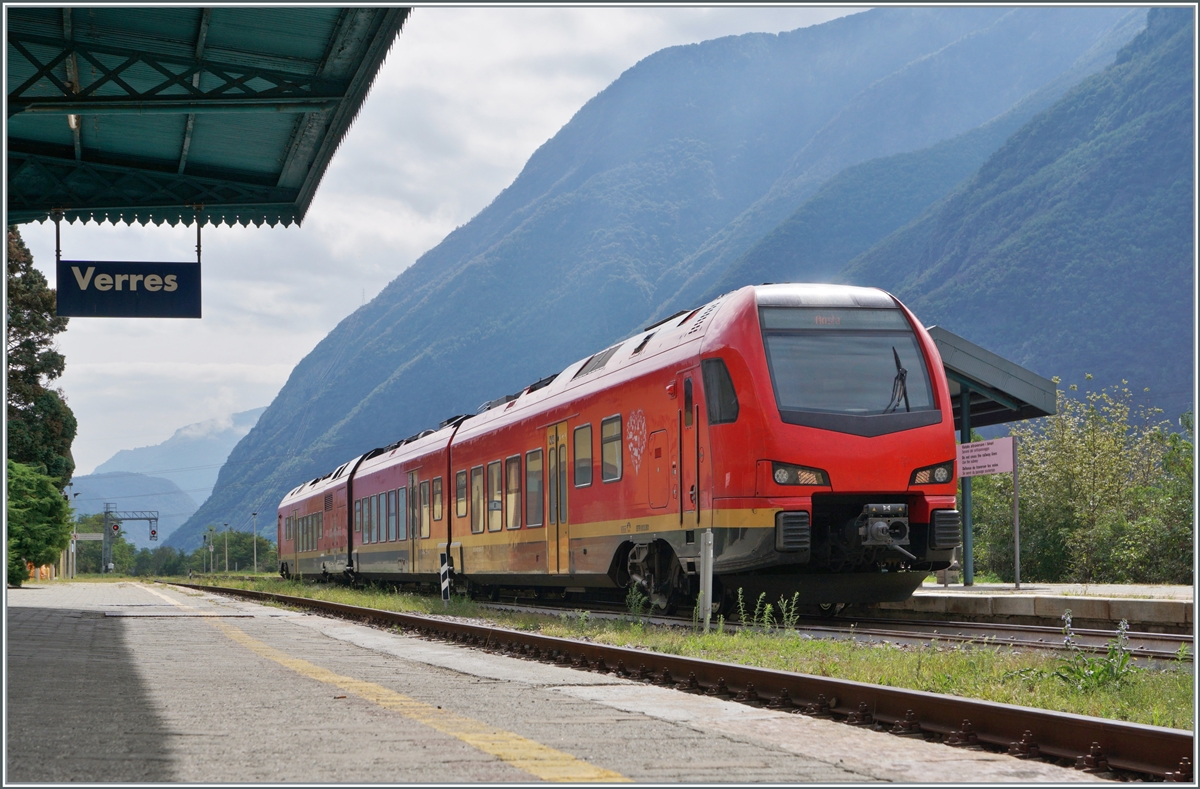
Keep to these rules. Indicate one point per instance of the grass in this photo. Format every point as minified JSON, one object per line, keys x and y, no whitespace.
{"x":1161,"y":695}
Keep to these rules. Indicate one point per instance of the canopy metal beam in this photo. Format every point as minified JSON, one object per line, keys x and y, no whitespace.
{"x":140,"y":81}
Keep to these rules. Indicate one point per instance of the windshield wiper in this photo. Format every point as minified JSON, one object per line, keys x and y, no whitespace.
{"x":899,"y":386}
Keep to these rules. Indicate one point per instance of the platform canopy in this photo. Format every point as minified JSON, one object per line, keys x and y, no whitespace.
{"x":999,"y":390}
{"x":162,"y":114}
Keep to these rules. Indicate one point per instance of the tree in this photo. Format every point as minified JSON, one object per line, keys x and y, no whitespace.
{"x":41,"y":427}
{"x":1106,"y":496}
{"x":39,"y":520}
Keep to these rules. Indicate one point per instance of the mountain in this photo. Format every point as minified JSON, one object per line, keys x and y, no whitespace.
{"x":191,"y":457}
{"x":1071,"y":249}
{"x":945,"y":93}
{"x":597,"y":231}
{"x":864,"y":203}
{"x":134,"y":492}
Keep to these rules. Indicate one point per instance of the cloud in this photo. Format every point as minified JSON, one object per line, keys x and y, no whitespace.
{"x":464,"y":98}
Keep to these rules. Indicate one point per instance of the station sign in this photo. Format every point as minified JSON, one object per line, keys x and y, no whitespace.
{"x":978,"y":458}
{"x":110,"y":289}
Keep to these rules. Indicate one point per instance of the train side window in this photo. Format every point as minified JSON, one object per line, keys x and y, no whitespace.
{"x":719,"y":394}
{"x":477,"y":500}
{"x":437,"y":498}
{"x":610,"y":449}
{"x":495,"y":507}
{"x":414,"y":504}
{"x":357,"y":515}
{"x":687,"y":402}
{"x":320,"y":525}
{"x":583,"y":456}
{"x":425,"y":510}
{"x":368,"y":520}
{"x":402,"y":513}
{"x":391,"y":515}
{"x":533,"y":488}
{"x":373,"y":520}
{"x":376,"y":522}
{"x":287,"y":528}
{"x":512,"y":492}
{"x":460,"y":494}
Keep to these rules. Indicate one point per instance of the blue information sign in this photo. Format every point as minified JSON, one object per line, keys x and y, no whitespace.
{"x":110,"y":289}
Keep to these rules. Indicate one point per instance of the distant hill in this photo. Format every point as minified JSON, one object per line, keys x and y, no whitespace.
{"x":1071,"y":249}
{"x":191,"y":457}
{"x":134,"y":492}
{"x":608,"y":220}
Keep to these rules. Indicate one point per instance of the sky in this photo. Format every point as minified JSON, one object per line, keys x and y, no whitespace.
{"x":464,"y":98}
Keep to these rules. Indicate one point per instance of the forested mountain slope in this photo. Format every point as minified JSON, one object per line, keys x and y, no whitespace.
{"x":576,"y":252}
{"x":1071,"y":249}
{"x":943,"y":94}
{"x":862,"y":204}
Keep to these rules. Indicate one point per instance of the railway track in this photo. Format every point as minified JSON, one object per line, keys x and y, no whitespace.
{"x":1094,"y":744}
{"x":1155,"y":646}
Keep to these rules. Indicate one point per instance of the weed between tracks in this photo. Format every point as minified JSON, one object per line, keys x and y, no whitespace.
{"x":1160,"y":695}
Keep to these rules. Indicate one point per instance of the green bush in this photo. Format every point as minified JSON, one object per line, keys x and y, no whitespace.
{"x":1106,"y":496}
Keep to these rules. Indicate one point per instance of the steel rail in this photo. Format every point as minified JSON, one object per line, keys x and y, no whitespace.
{"x":1157,"y":646}
{"x":1025,"y":732}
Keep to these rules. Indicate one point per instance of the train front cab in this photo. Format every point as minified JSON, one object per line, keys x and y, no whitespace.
{"x":832,"y":445}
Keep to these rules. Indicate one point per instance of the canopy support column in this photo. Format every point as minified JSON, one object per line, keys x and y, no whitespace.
{"x":968,"y":569}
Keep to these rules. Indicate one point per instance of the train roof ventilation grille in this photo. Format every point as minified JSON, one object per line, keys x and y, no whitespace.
{"x":597,"y":362}
{"x":709,"y":310}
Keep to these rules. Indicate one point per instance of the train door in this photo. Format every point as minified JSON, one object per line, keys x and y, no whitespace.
{"x":558,"y":537}
{"x":658,"y":459}
{"x":690,"y":451}
{"x":340,"y":523}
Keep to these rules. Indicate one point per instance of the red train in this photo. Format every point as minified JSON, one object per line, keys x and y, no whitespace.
{"x":809,"y":426}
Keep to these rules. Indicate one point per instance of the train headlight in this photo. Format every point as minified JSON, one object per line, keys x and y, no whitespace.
{"x":787,"y":474}
{"x":933,"y":475}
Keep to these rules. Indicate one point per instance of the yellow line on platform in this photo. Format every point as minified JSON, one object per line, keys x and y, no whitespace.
{"x":539,"y":760}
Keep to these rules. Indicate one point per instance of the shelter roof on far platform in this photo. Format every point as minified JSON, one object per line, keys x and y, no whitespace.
{"x":1000,"y":390}
{"x":162,"y":114}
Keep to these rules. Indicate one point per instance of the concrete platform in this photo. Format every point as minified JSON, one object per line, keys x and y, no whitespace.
{"x":217,"y":690}
{"x":1147,"y":608}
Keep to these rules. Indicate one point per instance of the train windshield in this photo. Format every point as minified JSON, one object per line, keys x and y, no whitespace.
{"x":846,"y":362}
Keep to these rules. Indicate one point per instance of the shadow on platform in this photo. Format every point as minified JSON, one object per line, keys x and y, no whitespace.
{"x":77,"y":709}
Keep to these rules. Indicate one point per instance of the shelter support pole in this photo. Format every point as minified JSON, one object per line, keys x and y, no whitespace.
{"x":706,"y":576}
{"x":968,"y":569}
{"x":1016,"y":521}
{"x":57,"y":216}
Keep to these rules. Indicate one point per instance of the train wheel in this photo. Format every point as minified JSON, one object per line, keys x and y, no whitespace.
{"x":830,"y":610}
